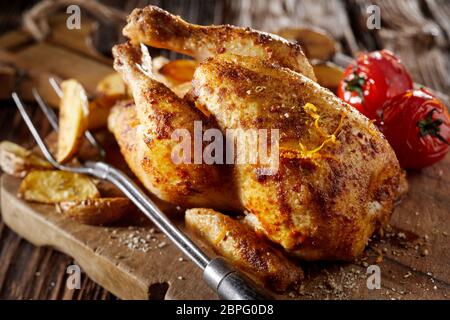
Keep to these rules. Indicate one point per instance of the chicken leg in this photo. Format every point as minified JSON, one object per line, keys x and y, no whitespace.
{"x":160,"y":29}
{"x":144,"y":134}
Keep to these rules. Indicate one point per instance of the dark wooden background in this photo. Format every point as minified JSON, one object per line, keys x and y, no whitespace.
{"x":417,"y":30}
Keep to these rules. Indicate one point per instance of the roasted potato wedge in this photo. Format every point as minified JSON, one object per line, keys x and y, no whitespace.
{"x":73,"y":119}
{"x":179,"y":71}
{"x":113,"y":85}
{"x":176,"y":75}
{"x":328,"y":75}
{"x":18,"y":161}
{"x":158,"y":62}
{"x":108,"y":189}
{"x":316,"y":43}
{"x":244,"y":248}
{"x":53,"y":186}
{"x":99,"y":109}
{"x":96,"y":211}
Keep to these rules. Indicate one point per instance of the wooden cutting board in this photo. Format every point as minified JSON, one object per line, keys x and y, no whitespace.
{"x":155,"y":268}
{"x":414,"y":257}
{"x":104,"y":253}
{"x":420,"y":226}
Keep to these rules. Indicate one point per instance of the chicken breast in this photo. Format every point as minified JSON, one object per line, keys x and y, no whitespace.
{"x":244,"y":248}
{"x":337,"y":176}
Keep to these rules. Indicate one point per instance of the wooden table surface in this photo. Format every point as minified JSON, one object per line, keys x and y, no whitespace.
{"x":417,"y":30}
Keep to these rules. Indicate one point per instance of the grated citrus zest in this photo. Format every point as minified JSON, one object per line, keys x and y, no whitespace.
{"x":220,"y":237}
{"x":202,"y":109}
{"x":313,"y":154}
{"x":369,"y":127}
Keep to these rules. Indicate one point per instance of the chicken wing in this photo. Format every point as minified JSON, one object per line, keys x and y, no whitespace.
{"x":158,"y":28}
{"x":244,"y":248}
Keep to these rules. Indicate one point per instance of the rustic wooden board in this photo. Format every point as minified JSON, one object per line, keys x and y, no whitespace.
{"x":104,"y":255}
{"x":414,"y":256}
{"x":65,"y":54}
{"x":61,"y":62}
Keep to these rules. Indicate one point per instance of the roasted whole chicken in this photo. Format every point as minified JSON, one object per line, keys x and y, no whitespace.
{"x":337,"y":177}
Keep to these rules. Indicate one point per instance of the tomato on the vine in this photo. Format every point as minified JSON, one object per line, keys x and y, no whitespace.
{"x":417,"y":125}
{"x":376,"y":77}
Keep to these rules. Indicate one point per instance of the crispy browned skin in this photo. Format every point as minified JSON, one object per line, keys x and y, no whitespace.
{"x":123,"y":123}
{"x":158,"y":28}
{"x":325,"y":207}
{"x":337,"y":178}
{"x":145,"y":137}
{"x":244,"y":248}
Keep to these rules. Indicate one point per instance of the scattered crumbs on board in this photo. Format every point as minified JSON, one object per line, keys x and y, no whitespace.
{"x":350,"y":280}
{"x":139,"y":239}
{"x":329,"y":282}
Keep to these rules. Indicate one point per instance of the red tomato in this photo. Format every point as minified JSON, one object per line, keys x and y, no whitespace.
{"x":375,"y":78}
{"x":417,"y":125}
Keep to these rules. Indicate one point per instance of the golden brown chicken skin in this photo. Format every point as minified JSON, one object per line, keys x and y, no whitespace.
{"x":244,"y":248}
{"x":158,"y":28}
{"x":337,"y":178}
{"x":144,"y":134}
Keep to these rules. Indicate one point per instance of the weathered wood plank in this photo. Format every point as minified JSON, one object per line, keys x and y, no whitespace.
{"x":440,"y":10}
{"x":274,"y":15}
{"x":13,"y":39}
{"x":412,"y":35}
{"x":419,"y":223}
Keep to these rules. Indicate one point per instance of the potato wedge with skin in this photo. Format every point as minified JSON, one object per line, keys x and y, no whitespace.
{"x":73,"y":119}
{"x":113,"y":85}
{"x":53,"y":186}
{"x":18,"y":161}
{"x":100,"y":211}
{"x":328,"y":75}
{"x":316,"y":43}
{"x":244,"y":248}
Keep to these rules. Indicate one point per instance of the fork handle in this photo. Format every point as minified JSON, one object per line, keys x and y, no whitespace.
{"x":226,"y":281}
{"x":231,"y":284}
{"x":149,"y":208}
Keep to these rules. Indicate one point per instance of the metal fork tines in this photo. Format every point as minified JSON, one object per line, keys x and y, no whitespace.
{"x":219,"y":275}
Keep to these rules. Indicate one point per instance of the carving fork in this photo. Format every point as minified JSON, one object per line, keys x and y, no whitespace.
{"x":225,"y":280}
